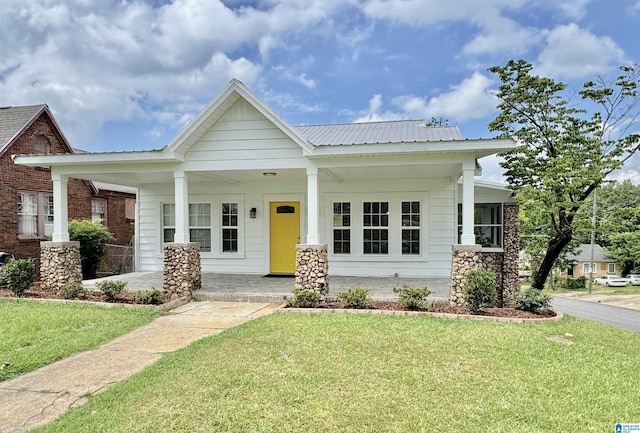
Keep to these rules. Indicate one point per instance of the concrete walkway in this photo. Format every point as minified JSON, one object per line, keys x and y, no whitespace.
{"x":39,"y":397}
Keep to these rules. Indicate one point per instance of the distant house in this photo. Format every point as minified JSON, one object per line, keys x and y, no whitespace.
{"x":26,"y":193}
{"x":581,"y":262}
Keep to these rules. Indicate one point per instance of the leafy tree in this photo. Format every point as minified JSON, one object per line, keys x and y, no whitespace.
{"x":92,"y":237}
{"x":563,"y":154}
{"x":625,"y":249}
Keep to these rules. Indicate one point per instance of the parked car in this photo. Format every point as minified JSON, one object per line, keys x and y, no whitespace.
{"x":611,"y":281}
{"x":633,"y":279}
{"x":4,"y":259}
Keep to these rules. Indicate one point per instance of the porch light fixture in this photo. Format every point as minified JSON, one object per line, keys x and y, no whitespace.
{"x":268,"y":173}
{"x":253,"y":212}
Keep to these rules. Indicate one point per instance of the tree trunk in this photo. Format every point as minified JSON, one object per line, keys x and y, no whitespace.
{"x":554,"y":249}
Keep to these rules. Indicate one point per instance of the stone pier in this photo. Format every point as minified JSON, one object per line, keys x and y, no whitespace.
{"x":312,"y":268}
{"x":60,"y":264}
{"x":182,"y":272}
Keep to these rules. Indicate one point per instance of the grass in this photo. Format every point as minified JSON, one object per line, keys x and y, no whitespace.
{"x":34,"y":334}
{"x":379,"y":373}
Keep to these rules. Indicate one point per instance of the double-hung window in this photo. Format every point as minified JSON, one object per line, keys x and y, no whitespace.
{"x":487,"y":224}
{"x":98,"y":210}
{"x":410,"y":227}
{"x":342,"y":228}
{"x":199,"y":224}
{"x":229,"y":227}
{"x":35,"y":215}
{"x":376,"y":227}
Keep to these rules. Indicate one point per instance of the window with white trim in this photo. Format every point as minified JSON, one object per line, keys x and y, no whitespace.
{"x":410,"y":227}
{"x":35,"y":215}
{"x":487,"y":224}
{"x":199,"y":224}
{"x":586,"y":268}
{"x":98,"y":211}
{"x":376,"y":227}
{"x":611,"y":268}
{"x":229,"y":227}
{"x":342,"y":227}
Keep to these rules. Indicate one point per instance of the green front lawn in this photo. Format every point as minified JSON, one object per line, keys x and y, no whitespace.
{"x":379,"y":373}
{"x":35,"y":333}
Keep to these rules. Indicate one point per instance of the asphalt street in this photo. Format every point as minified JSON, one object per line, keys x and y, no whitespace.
{"x":624,"y":318}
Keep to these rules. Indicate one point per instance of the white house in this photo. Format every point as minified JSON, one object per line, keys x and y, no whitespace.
{"x":376,"y":199}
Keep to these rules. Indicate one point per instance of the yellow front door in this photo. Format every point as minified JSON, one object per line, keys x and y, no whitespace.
{"x":285,"y":234}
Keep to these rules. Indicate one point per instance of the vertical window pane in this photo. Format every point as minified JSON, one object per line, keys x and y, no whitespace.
{"x":229,"y":227}
{"x":28,"y":214}
{"x":376,"y":216}
{"x":410,"y":236}
{"x":342,"y":232}
{"x":487,"y":224}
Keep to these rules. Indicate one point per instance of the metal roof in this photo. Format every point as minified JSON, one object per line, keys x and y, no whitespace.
{"x":104,"y":186}
{"x":401,"y":131}
{"x":13,"y":120}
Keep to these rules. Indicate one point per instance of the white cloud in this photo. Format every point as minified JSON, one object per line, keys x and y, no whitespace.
{"x":573,"y":52}
{"x":471,"y":99}
{"x":574,"y":9}
{"x":502,"y":35}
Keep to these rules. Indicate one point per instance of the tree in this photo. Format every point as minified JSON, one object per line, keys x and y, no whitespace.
{"x":92,"y":237}
{"x":563,"y":154}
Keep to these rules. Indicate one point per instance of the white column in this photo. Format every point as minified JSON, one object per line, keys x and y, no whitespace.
{"x":60,"y":208}
{"x":313,"y":207}
{"x":468,"y":205}
{"x":181,"y":186}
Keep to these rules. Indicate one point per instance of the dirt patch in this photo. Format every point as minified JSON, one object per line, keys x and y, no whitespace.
{"x":562,"y":339}
{"x":448,"y":309}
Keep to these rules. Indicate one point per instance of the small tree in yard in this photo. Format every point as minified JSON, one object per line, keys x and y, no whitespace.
{"x":563,"y":154}
{"x":92,"y":237}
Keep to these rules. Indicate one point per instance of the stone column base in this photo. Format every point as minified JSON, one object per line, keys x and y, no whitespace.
{"x":464,"y":259}
{"x":312,"y":268}
{"x":60,"y":264}
{"x":182,"y":270}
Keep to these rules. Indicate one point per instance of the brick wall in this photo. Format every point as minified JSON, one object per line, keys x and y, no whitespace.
{"x":15,"y":178}
{"x":121,"y":227}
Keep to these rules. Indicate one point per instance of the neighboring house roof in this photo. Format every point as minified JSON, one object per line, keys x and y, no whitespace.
{"x":401,"y":131}
{"x":104,"y":186}
{"x":14,"y":121}
{"x":583,"y":254}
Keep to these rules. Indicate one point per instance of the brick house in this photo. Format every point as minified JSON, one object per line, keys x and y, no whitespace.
{"x":26,"y":193}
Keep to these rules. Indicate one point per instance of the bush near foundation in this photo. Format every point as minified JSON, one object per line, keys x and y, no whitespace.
{"x":303,"y":298}
{"x":479,"y":290}
{"x":413,"y":298}
{"x":358,"y":297}
{"x":72,"y":290}
{"x":152,"y":296}
{"x":531,"y":300}
{"x":111,"y":289}
{"x":93,"y":238}
{"x":18,"y":274}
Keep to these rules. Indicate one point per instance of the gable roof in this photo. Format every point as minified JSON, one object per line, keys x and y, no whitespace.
{"x":235,"y":90}
{"x":583,"y":254}
{"x":400,"y":131}
{"x":14,"y":121}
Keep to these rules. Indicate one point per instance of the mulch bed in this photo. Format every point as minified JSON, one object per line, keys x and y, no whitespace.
{"x":445,"y":308}
{"x":37,"y":292}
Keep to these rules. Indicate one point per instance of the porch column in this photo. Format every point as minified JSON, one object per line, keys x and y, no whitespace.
{"x":468,"y":205}
{"x":60,"y":208}
{"x":313,"y":207}
{"x":181,"y":200}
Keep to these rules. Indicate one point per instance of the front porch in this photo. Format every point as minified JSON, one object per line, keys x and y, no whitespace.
{"x":258,"y":288}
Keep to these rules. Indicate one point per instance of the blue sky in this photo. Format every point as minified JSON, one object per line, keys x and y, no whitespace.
{"x":128,"y":75}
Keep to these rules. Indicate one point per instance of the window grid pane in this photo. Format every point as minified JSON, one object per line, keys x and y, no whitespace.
{"x":375,"y":239}
{"x":487,"y":224}
{"x":28,"y":214}
{"x":410,"y":236}
{"x":48,"y":209}
{"x":342,"y":231}
{"x":229,"y":227}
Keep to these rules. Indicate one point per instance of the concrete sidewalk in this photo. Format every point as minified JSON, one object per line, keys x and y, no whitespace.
{"x":39,"y":397}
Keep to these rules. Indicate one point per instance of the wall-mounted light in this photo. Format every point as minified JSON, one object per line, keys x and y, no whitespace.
{"x":253,"y":212}
{"x":268,"y":173}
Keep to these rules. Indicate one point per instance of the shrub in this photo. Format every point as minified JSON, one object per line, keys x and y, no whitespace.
{"x":111,"y":289}
{"x":479,"y":290}
{"x":92,"y":237}
{"x":152,"y":296}
{"x":358,"y":297}
{"x":577,"y":283}
{"x":3,"y":281}
{"x":303,"y":298}
{"x":19,"y":274}
{"x":413,"y":298}
{"x":72,"y":290}
{"x":531,"y":300}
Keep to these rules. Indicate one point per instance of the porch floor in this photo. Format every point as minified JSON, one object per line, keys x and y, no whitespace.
{"x":258,"y":288}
